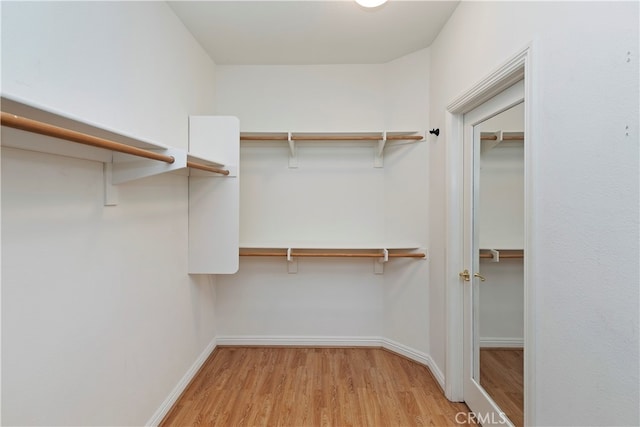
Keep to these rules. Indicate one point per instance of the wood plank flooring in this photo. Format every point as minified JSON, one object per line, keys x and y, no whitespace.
{"x":260,"y":386}
{"x":501,"y":375}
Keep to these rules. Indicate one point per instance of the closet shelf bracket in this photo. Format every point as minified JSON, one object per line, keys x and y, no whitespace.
{"x":378,"y":161}
{"x":378,"y":264}
{"x":110,"y":190}
{"x":491,"y":140}
{"x":498,"y":255}
{"x":292,"y":263}
{"x":293,"y":155}
{"x":128,"y":168}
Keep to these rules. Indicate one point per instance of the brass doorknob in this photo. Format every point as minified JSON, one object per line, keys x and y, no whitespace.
{"x":465,"y":275}
{"x":480,"y":276}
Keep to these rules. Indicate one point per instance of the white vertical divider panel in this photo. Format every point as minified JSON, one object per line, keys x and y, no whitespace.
{"x":214,"y":200}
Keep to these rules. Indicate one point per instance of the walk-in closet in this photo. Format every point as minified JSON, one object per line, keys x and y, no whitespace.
{"x":262,"y":206}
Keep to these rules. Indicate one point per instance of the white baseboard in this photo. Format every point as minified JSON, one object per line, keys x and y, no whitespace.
{"x":323,"y":341}
{"x":493,"y":342}
{"x":416,"y":356}
{"x":168,"y":403}
{"x":302,"y":341}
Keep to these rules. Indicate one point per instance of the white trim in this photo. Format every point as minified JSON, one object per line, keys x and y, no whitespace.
{"x":177,"y":391}
{"x":301,"y":341}
{"x":328,"y":341}
{"x":416,"y":356}
{"x":454,"y":295}
{"x":530,"y":176}
{"x":505,"y":75}
{"x":499,"y":342}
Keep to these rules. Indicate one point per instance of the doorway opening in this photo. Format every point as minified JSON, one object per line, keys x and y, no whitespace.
{"x":466,"y":337}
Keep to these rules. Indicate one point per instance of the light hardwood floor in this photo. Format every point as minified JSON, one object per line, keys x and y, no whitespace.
{"x":259,"y":386}
{"x":501,"y":375}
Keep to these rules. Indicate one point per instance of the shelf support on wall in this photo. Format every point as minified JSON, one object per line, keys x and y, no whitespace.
{"x":292,"y":263}
{"x":490,"y":140}
{"x":110,"y":190}
{"x":498,"y":255}
{"x":293,"y":155}
{"x":128,"y":168}
{"x":378,"y":161}
{"x":378,"y":264}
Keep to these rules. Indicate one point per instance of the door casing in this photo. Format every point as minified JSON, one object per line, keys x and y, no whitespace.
{"x":519,"y":66}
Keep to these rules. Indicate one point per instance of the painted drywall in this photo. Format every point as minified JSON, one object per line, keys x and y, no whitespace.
{"x":332,"y":196}
{"x":335,"y":196}
{"x":100,"y":320}
{"x":132,"y":68}
{"x":585,"y":202}
{"x":302,"y":98}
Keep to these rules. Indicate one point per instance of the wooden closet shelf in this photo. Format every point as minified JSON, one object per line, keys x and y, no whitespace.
{"x":502,"y":253}
{"x":379,"y":140}
{"x":34,"y":126}
{"x":207,"y":168}
{"x":166,"y":155}
{"x":502,"y":136}
{"x":328,"y":137}
{"x":341,"y":253}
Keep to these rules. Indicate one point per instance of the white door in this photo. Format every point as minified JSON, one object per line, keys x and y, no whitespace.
{"x":478,"y":400}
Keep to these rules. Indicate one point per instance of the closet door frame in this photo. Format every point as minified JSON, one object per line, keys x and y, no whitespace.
{"x":519,"y":66}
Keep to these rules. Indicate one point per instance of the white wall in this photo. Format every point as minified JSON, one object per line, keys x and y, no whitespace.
{"x":302,"y":98}
{"x":100,"y":320}
{"x":585,"y":211}
{"x":133,"y":68}
{"x":334,"y":196}
{"x":331,"y":197}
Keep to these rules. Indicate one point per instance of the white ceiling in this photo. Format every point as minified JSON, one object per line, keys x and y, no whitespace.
{"x":311,"y":32}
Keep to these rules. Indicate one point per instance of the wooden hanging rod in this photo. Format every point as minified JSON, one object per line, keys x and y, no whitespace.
{"x":341,"y":254}
{"x":264,"y":137}
{"x":34,"y":126}
{"x":505,"y":137}
{"x":207,"y":168}
{"x":46,"y":129}
{"x":504,"y":254}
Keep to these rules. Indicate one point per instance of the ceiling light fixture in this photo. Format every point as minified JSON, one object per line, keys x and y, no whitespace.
{"x":371,"y":3}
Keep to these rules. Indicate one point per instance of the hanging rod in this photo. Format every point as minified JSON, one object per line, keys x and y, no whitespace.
{"x":343,"y":254}
{"x":505,"y":137}
{"x":263,"y":138}
{"x":207,"y":168}
{"x":355,"y":137}
{"x":330,"y":137}
{"x":510,"y":253}
{"x":46,"y":129}
{"x":34,"y":126}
